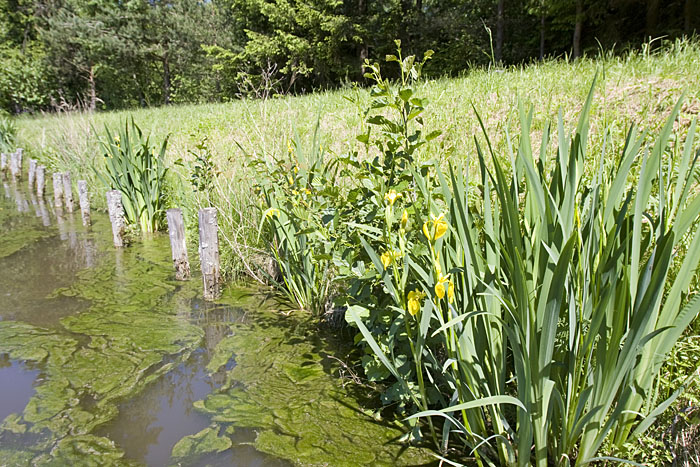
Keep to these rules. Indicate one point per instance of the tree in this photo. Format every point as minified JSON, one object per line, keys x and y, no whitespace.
{"x":500,"y":12}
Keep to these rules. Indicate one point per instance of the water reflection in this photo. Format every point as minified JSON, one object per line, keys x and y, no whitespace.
{"x":44,"y":212}
{"x":17,"y":386}
{"x":41,"y":260}
{"x":150,"y":423}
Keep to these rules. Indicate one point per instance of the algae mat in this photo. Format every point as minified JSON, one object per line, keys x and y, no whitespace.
{"x":128,"y":337}
{"x":123,"y":327}
{"x":285,"y":385}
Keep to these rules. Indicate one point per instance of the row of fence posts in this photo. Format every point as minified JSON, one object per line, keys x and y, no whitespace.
{"x":63,"y":197}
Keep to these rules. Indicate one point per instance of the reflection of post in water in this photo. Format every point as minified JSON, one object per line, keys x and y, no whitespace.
{"x":45,"y":218}
{"x":182,"y":304}
{"x":35,"y":203}
{"x":118,"y":262}
{"x":61,"y":223}
{"x":90,"y":251}
{"x":20,"y":200}
{"x":72,"y":234}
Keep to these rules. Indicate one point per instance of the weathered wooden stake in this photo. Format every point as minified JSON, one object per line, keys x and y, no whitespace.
{"x":14,"y":166}
{"x":20,"y":155}
{"x":58,"y":190}
{"x":3,"y":163}
{"x":68,"y":191}
{"x":40,"y":181}
{"x":32,"y":173}
{"x":176,"y":231}
{"x":84,"y":202}
{"x":116,"y":216}
{"x":209,"y":253}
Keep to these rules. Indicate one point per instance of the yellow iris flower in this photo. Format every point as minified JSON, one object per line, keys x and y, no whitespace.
{"x":445,"y":285}
{"x":391,"y":197}
{"x":435,"y":228}
{"x":388,"y":257}
{"x":272,"y":212}
{"x":414,"y":299}
{"x":404,"y":219}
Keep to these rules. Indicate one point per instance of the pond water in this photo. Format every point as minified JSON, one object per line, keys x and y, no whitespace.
{"x":105,"y":359}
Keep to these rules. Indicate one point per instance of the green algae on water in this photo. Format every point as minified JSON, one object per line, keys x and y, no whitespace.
{"x":204,"y":442}
{"x":285,"y":387}
{"x":130,"y":336}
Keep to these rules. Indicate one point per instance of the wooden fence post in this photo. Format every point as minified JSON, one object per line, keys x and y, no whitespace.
{"x":3,"y":163}
{"x":58,"y":189}
{"x":14,"y":166}
{"x":32,"y":173}
{"x":84,"y":202}
{"x":176,"y":231}
{"x":209,"y":253}
{"x":20,"y":156}
{"x":40,"y":181}
{"x":68,"y":191}
{"x":116,"y":216}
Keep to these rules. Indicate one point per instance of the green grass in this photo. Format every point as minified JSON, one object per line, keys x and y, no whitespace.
{"x":640,"y":87}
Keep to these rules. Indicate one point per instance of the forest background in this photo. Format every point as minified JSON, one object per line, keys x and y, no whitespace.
{"x":104,"y":54}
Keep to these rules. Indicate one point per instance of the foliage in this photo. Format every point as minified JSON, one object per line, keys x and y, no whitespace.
{"x":529,"y":317}
{"x":136,"y":167}
{"x":204,"y":170}
{"x":8,"y":131}
{"x":109,"y":55}
{"x":300,"y":193}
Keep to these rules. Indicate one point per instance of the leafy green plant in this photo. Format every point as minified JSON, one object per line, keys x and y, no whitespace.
{"x":531,"y":324}
{"x":8,"y":130}
{"x":299,"y":193}
{"x":135,"y":166}
{"x":204,"y":170}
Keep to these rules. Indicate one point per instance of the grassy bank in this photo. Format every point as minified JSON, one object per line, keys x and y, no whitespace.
{"x":638,"y":88}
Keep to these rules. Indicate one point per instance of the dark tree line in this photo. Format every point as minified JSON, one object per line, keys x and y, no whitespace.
{"x":105,"y":54}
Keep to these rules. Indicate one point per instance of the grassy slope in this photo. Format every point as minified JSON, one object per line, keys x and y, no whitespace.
{"x":640,"y":88}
